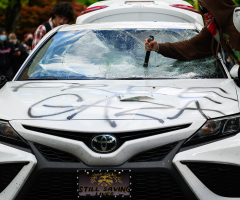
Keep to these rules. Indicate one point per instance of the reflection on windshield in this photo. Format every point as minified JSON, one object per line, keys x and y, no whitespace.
{"x":114,"y":54}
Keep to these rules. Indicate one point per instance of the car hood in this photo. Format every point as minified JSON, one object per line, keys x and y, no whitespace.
{"x":166,"y":101}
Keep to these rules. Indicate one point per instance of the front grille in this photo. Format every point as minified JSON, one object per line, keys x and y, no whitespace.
{"x":145,"y":186}
{"x":122,"y":137}
{"x":156,"y":154}
{"x":8,"y":173}
{"x":155,"y":186}
{"x":55,"y":155}
{"x":222,"y":179}
{"x":53,"y":186}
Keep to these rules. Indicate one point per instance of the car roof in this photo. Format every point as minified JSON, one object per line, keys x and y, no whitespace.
{"x":131,"y":25}
{"x":149,"y":2}
{"x":139,"y":10}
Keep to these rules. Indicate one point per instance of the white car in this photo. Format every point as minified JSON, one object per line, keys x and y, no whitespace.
{"x":140,"y":10}
{"x":83,"y":119}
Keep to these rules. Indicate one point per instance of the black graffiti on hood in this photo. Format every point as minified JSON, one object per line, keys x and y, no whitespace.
{"x":198,"y":108}
{"x":206,"y":88}
{"x":67,"y":87}
{"x":163,"y":106}
{"x":70,"y":108}
{"x":78,"y":109}
{"x":111,"y":122}
{"x":181,"y":110}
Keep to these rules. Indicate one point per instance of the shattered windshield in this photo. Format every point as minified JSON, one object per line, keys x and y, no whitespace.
{"x":114,"y":54}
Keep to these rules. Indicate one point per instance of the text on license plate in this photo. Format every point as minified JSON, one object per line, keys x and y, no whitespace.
{"x":104,"y":183}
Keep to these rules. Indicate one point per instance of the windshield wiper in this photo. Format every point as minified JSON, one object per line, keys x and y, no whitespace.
{"x":139,"y":78}
{"x":37,"y":79}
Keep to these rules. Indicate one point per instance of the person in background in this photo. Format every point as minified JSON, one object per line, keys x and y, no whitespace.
{"x":28,"y":39}
{"x":62,"y":13}
{"x":20,"y":53}
{"x":6,"y":55}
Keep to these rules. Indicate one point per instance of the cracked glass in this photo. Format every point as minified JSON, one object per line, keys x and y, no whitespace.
{"x":115,"y":54}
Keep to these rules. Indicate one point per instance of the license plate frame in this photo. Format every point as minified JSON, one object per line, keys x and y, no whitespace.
{"x":104,"y":183}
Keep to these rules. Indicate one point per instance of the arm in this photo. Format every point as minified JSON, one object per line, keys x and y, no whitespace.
{"x":196,"y":47}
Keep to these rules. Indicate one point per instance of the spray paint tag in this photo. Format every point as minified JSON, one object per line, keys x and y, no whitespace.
{"x":135,"y":96}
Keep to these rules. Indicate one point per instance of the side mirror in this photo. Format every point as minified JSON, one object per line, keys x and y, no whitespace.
{"x":235,"y":72}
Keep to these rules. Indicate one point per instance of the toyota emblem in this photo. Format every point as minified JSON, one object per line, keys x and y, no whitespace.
{"x":104,"y":143}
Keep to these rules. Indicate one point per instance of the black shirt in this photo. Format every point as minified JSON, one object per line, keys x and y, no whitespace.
{"x":6,"y":59}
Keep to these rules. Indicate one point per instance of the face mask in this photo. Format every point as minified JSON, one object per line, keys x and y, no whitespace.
{"x":29,"y":41}
{"x":3,"y":38}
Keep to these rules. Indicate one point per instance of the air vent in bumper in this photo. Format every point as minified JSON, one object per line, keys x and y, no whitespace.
{"x":8,"y":173}
{"x":55,"y":155}
{"x":155,"y":185}
{"x":221,"y":179}
{"x":156,"y":154}
{"x":53,"y":186}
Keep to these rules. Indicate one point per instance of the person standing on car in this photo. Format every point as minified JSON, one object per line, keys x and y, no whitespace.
{"x":62,"y":13}
{"x":6,"y":55}
{"x":20,"y":53}
{"x":220,"y":32}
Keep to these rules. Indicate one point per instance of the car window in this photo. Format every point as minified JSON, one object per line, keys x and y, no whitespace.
{"x":114,"y":54}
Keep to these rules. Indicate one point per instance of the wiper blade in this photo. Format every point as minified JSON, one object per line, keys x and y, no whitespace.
{"x":40,"y":79}
{"x":139,"y":78}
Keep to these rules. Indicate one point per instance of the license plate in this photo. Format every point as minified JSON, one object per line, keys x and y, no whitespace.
{"x":101,"y":183}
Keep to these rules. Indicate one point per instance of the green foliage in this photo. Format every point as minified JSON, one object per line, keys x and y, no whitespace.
{"x":194,"y":3}
{"x":87,"y":2}
{"x":24,"y":1}
{"x":5,"y":3}
{"x":237,"y":2}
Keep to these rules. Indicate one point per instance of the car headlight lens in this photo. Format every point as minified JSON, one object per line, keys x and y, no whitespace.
{"x":214,"y":129}
{"x":8,"y":135}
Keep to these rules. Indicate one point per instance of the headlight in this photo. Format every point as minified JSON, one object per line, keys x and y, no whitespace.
{"x":8,"y":135}
{"x":214,"y":129}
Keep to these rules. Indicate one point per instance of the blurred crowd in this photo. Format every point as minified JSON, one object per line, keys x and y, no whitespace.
{"x":13,"y":52}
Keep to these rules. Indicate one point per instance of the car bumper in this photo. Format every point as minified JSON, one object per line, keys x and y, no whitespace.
{"x":15,"y":167}
{"x":57,"y":180}
{"x":217,"y":176}
{"x":48,"y":174}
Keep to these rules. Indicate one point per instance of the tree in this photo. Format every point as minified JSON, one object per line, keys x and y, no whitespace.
{"x":31,"y":17}
{"x":36,"y":12}
{"x":11,"y":9}
{"x":34,"y":15}
{"x":22,"y":16}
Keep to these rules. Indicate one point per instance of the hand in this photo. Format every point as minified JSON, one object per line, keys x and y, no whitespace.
{"x":152,"y":46}
{"x":17,"y":53}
